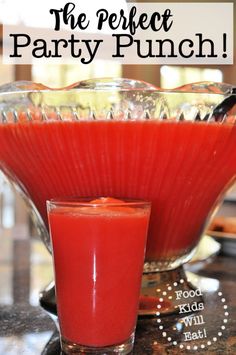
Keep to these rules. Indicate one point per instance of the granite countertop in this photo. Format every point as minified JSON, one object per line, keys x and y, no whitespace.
{"x":25,"y":328}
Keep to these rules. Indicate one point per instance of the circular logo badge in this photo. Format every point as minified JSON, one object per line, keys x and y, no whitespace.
{"x":193,"y":329}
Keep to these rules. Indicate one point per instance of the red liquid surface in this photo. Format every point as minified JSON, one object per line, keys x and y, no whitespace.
{"x":98,"y":259}
{"x":180,"y":166}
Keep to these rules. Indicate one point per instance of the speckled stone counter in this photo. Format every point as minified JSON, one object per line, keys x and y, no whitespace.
{"x":25,"y":328}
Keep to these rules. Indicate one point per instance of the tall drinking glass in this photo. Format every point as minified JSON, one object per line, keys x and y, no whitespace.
{"x":98,"y":251}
